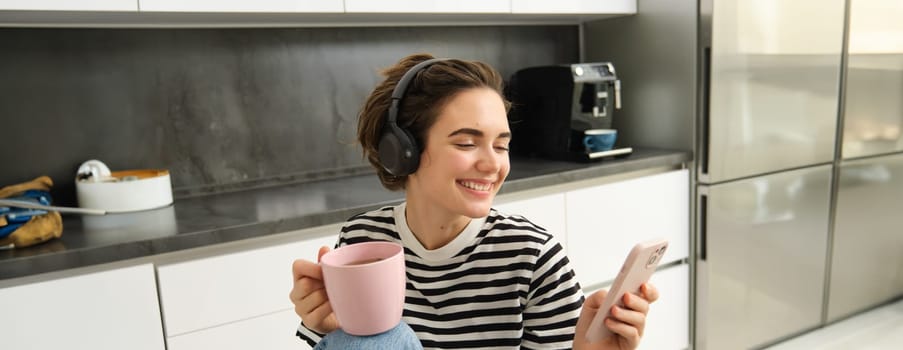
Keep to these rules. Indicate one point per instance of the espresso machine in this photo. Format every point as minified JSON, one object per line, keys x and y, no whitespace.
{"x":554,"y":108}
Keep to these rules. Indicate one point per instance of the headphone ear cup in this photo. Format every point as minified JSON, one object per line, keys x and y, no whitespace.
{"x":398,"y":152}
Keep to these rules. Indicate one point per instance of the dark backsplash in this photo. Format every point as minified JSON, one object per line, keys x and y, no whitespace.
{"x":222,"y":109}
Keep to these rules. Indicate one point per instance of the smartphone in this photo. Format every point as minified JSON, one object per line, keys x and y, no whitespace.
{"x":637,"y":269}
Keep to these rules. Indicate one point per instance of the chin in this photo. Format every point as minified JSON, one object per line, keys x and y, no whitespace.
{"x":477,"y":212}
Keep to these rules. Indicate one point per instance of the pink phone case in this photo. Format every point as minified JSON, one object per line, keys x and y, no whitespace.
{"x":637,"y":269}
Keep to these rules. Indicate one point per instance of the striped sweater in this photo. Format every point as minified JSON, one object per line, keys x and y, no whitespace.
{"x":503,"y":283}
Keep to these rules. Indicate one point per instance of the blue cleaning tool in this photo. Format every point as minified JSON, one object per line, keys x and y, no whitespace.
{"x":8,"y":229}
{"x":23,"y":215}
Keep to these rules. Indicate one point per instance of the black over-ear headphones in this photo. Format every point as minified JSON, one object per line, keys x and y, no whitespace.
{"x":398,"y":150}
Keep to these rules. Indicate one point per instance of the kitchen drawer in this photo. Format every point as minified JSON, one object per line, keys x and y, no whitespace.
{"x":604,"y":222}
{"x":115,"y":309}
{"x":216,"y":290}
{"x":272,"y":331}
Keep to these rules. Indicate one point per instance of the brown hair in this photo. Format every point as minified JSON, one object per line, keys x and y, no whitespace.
{"x":424,"y":99}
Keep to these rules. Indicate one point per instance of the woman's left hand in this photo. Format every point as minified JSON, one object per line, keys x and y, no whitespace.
{"x":626,"y":323}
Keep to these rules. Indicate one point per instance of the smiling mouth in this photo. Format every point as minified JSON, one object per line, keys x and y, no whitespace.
{"x":476,"y":186}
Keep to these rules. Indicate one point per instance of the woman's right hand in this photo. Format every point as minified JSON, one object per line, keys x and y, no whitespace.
{"x":309,"y":296}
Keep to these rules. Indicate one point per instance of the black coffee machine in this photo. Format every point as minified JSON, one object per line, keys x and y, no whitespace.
{"x":554,"y":106}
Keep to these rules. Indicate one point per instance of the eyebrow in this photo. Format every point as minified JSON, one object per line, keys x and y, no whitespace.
{"x":478,"y":133}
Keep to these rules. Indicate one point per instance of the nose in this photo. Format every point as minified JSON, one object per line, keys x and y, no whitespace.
{"x":491,"y":161}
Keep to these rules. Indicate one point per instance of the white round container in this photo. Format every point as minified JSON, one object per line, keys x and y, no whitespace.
{"x":125,"y":191}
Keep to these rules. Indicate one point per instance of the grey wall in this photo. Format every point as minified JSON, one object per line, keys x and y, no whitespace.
{"x":220,"y":108}
{"x":654,"y":53}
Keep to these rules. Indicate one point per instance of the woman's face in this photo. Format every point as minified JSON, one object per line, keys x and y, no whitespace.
{"x":465,"y":159}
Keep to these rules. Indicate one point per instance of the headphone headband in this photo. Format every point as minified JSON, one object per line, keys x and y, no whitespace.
{"x":402,"y":86}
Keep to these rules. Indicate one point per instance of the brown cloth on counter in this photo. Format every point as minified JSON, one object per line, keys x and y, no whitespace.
{"x":42,"y":183}
{"x":38,"y":229}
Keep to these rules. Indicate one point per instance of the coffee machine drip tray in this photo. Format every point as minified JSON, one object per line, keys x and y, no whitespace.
{"x":617,"y":152}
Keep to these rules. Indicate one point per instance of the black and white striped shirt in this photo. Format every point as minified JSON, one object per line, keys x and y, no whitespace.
{"x":503,"y":283}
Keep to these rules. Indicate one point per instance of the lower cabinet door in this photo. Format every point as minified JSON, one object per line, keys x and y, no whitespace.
{"x":273,"y":331}
{"x":668,"y":321}
{"x":113,"y":310}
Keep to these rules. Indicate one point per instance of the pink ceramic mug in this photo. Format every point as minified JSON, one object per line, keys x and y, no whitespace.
{"x":366,"y":286}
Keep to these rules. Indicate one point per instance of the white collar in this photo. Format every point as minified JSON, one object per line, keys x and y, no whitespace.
{"x":463,"y":240}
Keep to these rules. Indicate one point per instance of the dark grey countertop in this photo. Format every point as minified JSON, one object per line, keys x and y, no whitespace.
{"x":218,"y":218}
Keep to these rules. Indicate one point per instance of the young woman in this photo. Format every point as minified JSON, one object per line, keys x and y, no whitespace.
{"x":477,"y":278}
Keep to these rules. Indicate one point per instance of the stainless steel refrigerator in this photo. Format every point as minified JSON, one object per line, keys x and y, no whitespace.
{"x":769,"y":99}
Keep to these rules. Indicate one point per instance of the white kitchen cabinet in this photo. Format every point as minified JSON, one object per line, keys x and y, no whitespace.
{"x":69,"y":5}
{"x":604,"y":222}
{"x":574,"y":6}
{"x":274,"y":6}
{"x":428,"y":6}
{"x":220,"y":289}
{"x":668,"y":321}
{"x":304,"y":13}
{"x":113,"y":310}
{"x":546,"y":211}
{"x":271,"y":331}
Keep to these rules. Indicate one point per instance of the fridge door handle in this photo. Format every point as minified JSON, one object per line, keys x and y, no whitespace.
{"x":701,"y":224}
{"x":704,"y":131}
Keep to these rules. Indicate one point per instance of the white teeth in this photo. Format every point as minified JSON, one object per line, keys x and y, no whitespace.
{"x":475,"y":186}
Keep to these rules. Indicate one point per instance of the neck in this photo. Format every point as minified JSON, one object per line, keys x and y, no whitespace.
{"x":433,"y":226}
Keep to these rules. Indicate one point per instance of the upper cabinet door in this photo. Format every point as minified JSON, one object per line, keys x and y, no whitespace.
{"x":773,"y":85}
{"x":604,"y":222}
{"x":428,"y":6}
{"x":874,"y":110}
{"x":546,"y":212}
{"x":313,"y":6}
{"x":188,"y":305}
{"x":574,"y":6}
{"x":69,"y":5}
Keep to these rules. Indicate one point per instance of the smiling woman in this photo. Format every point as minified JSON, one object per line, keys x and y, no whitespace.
{"x":476,"y":278}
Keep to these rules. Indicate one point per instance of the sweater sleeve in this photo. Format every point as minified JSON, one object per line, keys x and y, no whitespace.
{"x":554,"y":301}
{"x":308,"y":335}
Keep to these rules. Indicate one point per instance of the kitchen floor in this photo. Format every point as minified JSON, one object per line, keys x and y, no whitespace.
{"x":878,"y":329}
